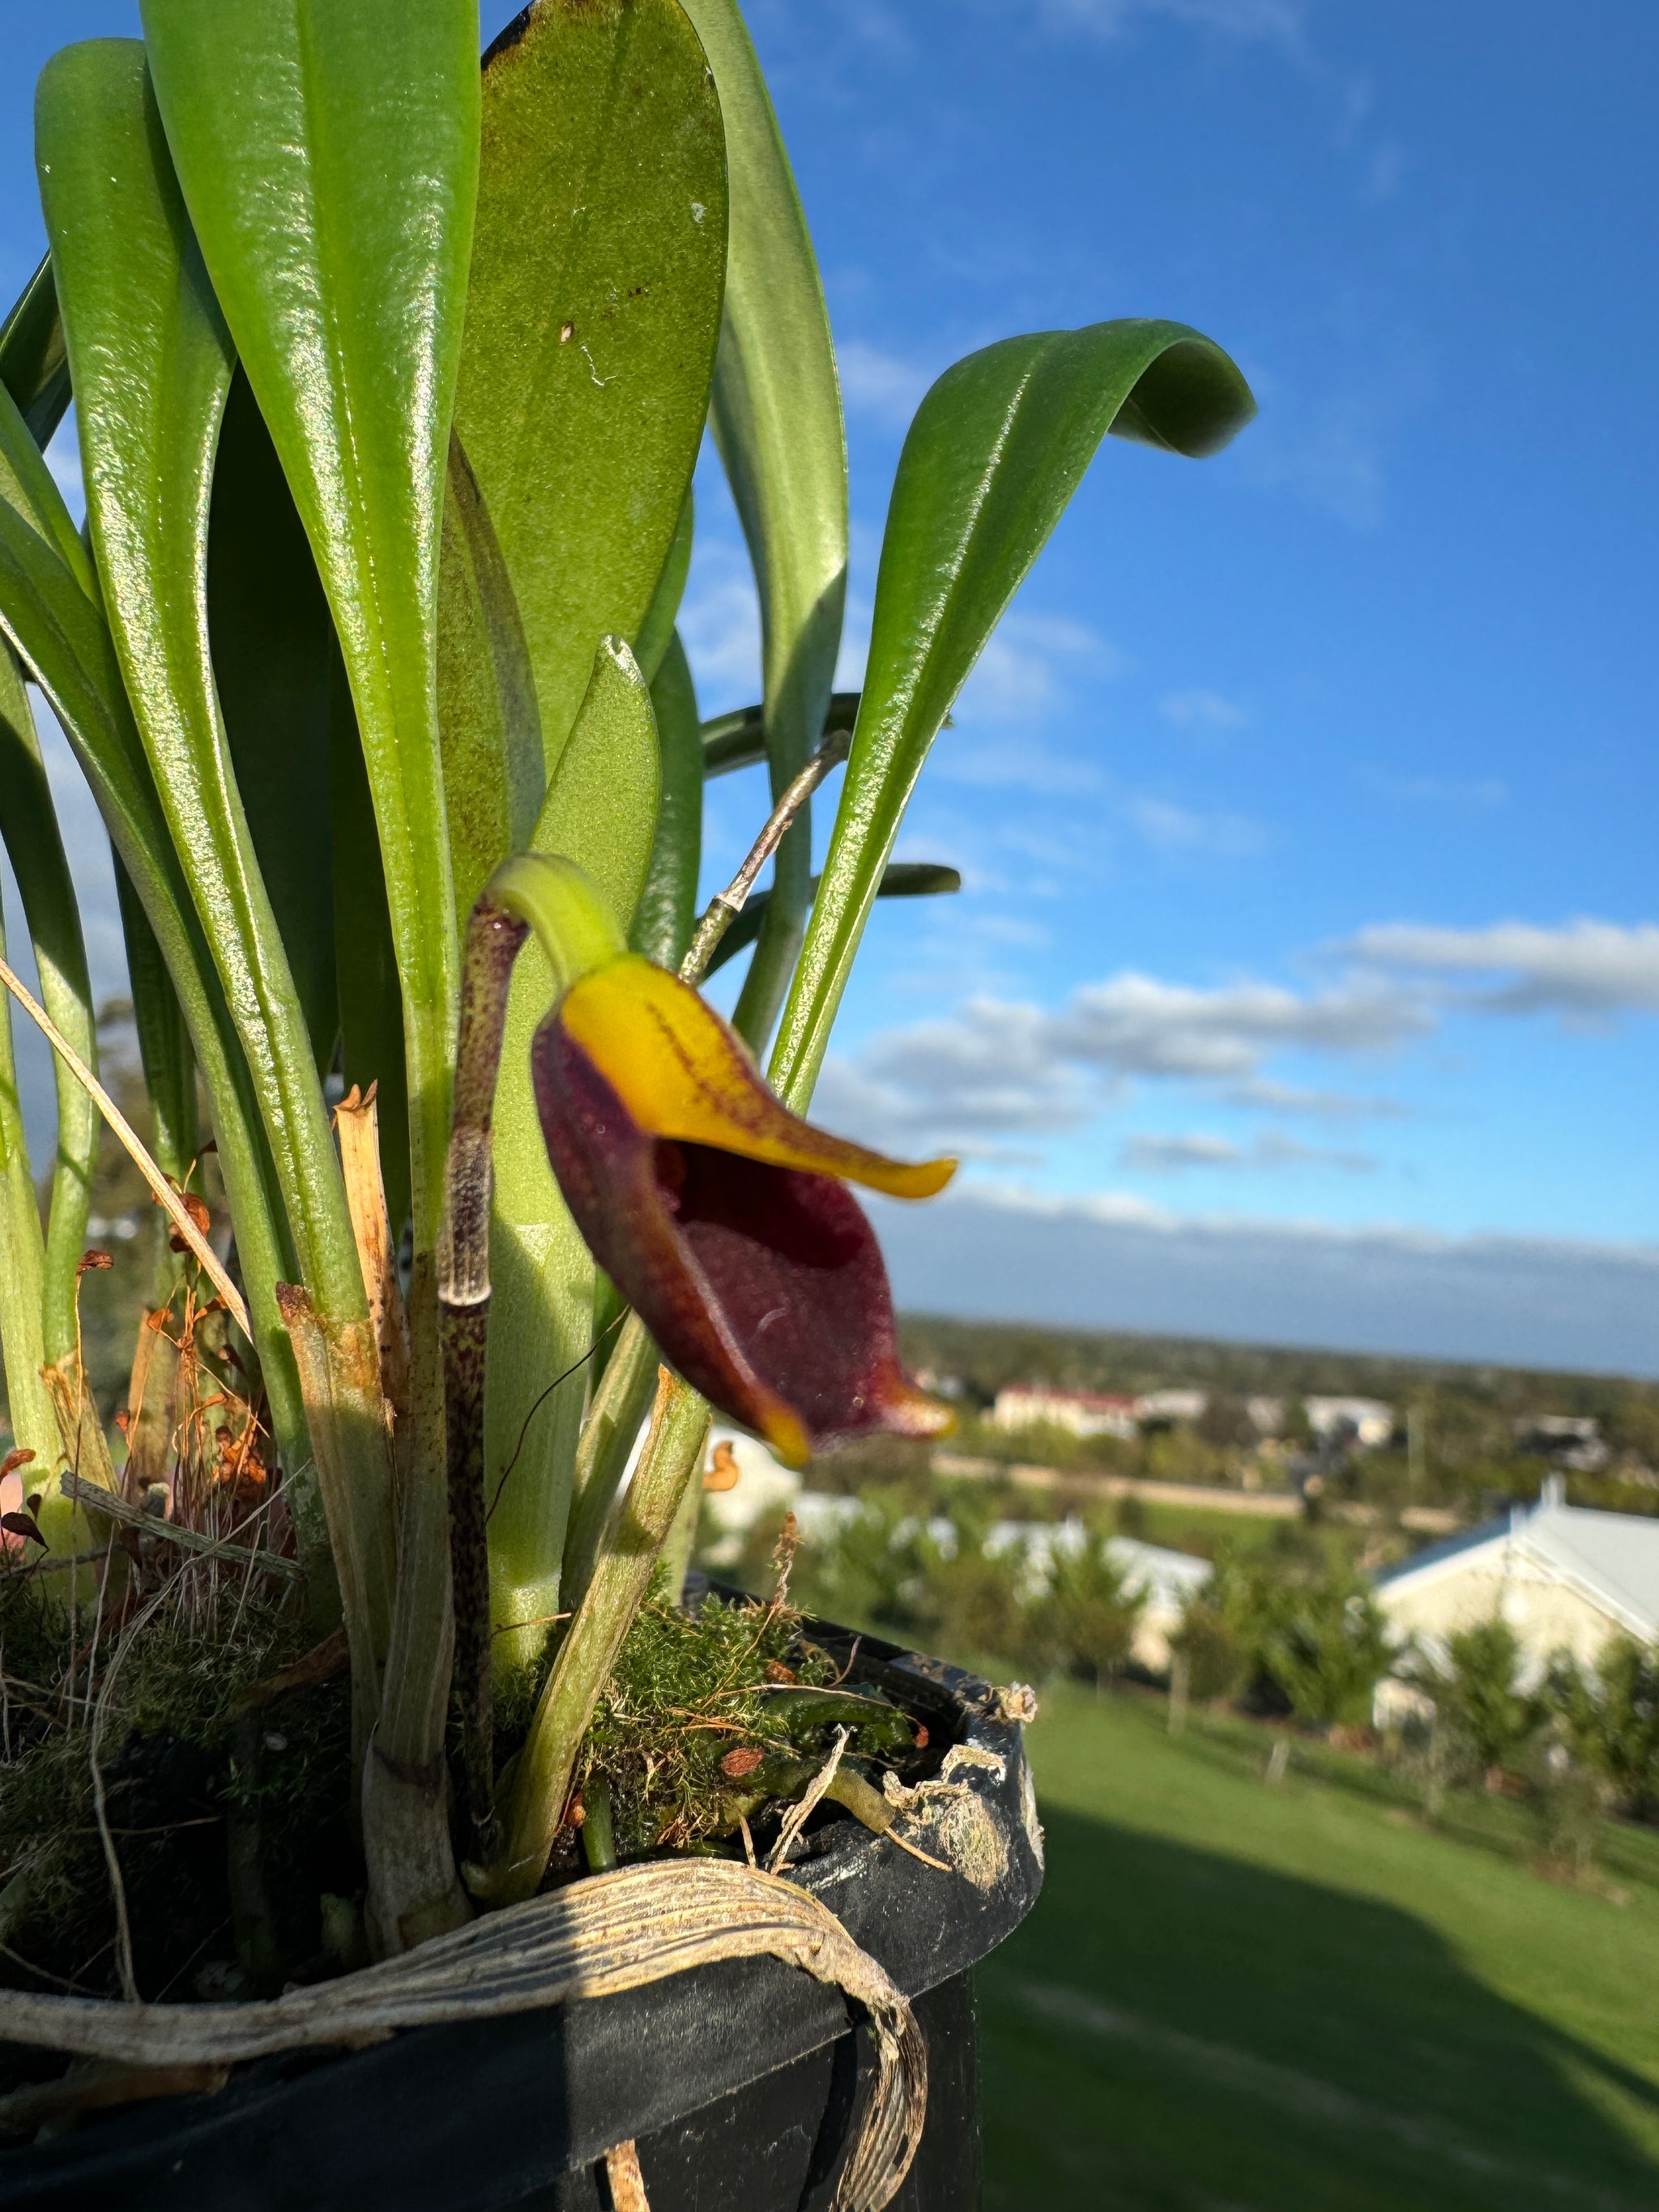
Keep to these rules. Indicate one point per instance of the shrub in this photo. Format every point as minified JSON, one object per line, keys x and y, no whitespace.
{"x":1317,"y":1640}
{"x":1083,"y":1623}
{"x":1218,"y":1660}
{"x":1611,"y":1716}
{"x":1479,"y":1699}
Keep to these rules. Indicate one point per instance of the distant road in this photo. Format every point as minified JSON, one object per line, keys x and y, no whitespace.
{"x":1265,"y":1505}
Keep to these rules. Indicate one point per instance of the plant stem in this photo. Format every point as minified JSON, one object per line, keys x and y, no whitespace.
{"x":493,"y":939}
{"x":672,"y":1453}
{"x":413,"y":1889}
{"x":725,"y":906}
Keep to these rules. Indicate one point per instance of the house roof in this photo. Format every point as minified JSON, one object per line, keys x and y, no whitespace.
{"x":1612,"y":1557}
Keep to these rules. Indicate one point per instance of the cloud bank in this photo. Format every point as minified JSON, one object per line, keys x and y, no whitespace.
{"x":1115,"y":1262}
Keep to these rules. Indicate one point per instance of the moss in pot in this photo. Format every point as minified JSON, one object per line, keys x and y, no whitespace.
{"x":330,"y":1658}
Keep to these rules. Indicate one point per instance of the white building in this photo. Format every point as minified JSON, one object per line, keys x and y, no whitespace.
{"x":1162,"y":1407}
{"x":1163,"y":1579}
{"x":1372,"y":1421}
{"x":1084,"y":1413}
{"x":1563,"y":1577}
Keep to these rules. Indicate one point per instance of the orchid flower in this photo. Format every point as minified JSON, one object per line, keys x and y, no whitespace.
{"x":724,"y":1219}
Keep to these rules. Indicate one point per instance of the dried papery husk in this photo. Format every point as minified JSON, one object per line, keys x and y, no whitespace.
{"x":597,"y":1938}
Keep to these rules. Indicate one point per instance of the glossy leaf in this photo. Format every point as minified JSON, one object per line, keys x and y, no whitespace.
{"x":164,"y":1048}
{"x":22,"y":1254}
{"x":996,"y":449}
{"x":152,"y":364}
{"x":328,"y":157}
{"x":600,"y":811}
{"x":27,"y":484}
{"x":591,"y":319}
{"x":667,"y":911}
{"x":366,"y":952}
{"x":664,"y":611}
{"x":900,"y":879}
{"x":778,"y":424}
{"x":62,"y":639}
{"x":33,"y":364}
{"x":28,"y":824}
{"x":492,"y":735}
{"x":273,"y":648}
{"x":737,"y":740}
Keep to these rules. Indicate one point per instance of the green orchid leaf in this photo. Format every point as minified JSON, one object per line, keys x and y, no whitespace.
{"x":778,"y":424}
{"x":492,"y":733}
{"x":996,"y":449}
{"x":593,"y":318}
{"x":152,"y":364}
{"x":737,"y":740}
{"x":366,"y":952}
{"x":34,"y":846}
{"x":33,"y":364}
{"x":27,"y":484}
{"x":664,"y":611}
{"x":328,"y":156}
{"x":23,"y":1253}
{"x":273,"y":648}
{"x":63,"y":641}
{"x":600,"y":811}
{"x":900,"y":879}
{"x":164,"y":1048}
{"x":667,"y":910}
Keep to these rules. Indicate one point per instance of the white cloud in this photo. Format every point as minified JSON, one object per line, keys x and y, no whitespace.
{"x":1029,"y":664}
{"x":882,"y":386}
{"x":1153,"y":1154}
{"x":1201,"y":709}
{"x":1135,"y":1024}
{"x":1327,"y":455}
{"x":998,"y":1069}
{"x":1023,"y":763}
{"x":1170,"y":829}
{"x":1271,"y":1096}
{"x":720,"y":622}
{"x":1277,"y":22}
{"x":1112,"y":1260}
{"x":1584,"y":968}
{"x":984,"y":1075}
{"x":1438,"y":790}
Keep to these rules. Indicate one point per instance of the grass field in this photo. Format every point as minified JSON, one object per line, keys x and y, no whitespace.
{"x":1238,"y":1995}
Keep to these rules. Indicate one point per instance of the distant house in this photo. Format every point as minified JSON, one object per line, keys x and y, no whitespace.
{"x":1370,"y":1419}
{"x":1084,"y":1413}
{"x":1563,"y":1577}
{"x":1162,"y":1409}
{"x":1572,"y":1440}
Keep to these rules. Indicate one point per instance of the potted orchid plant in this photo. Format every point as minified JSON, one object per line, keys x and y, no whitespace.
{"x":390,"y":375}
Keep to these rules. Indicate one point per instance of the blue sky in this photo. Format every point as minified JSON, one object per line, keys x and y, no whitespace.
{"x":1304,"y":977}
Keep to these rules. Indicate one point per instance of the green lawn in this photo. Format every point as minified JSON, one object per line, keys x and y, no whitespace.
{"x":1235,"y":1994}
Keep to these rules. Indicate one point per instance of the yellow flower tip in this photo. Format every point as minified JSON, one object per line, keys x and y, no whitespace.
{"x":923,"y":1179}
{"x":785,"y":1436}
{"x":918,"y":1415}
{"x":681,"y":1072}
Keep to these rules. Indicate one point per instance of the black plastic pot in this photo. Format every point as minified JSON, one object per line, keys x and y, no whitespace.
{"x":740,"y":2082}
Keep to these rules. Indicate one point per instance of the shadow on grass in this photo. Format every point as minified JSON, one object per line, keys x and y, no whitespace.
{"x":1176,"y":2031}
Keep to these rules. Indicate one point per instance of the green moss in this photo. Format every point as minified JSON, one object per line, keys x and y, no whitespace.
{"x":689,"y":1691}
{"x":176,"y":1773}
